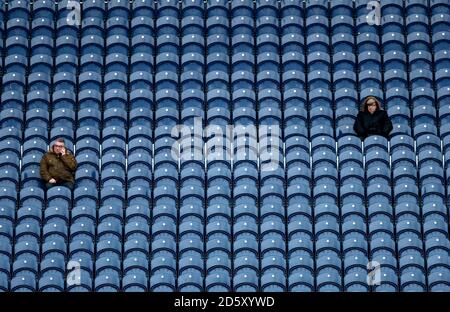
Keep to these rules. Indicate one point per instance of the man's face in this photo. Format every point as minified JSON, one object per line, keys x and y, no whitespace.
{"x":58,"y":147}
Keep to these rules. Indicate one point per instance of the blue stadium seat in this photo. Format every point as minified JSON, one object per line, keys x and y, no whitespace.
{"x":23,"y":283}
{"x":163,"y":281}
{"x":51,"y":283}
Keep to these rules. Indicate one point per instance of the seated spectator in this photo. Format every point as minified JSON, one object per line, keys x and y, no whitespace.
{"x":58,"y":166}
{"x":372,"y":120}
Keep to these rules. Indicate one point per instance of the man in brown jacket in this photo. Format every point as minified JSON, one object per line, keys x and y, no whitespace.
{"x":58,"y":166}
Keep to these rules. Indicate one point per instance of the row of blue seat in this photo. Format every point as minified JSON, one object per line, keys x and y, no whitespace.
{"x":303,"y":282}
{"x":437,"y":266}
{"x":327,"y":236}
{"x":196,"y":25}
{"x":312,"y":7}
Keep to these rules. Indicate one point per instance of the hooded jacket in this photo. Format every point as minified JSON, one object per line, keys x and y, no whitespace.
{"x":60,"y":168}
{"x":378,"y":123}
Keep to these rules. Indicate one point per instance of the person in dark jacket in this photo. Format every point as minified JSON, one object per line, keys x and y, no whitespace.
{"x":58,"y":166}
{"x":372,"y":120}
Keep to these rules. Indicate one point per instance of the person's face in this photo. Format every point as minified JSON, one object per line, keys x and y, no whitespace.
{"x":58,"y":147}
{"x":371,"y":106}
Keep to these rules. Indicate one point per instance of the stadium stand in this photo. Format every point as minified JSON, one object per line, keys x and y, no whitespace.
{"x":117,"y":77}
